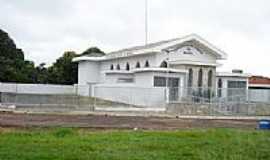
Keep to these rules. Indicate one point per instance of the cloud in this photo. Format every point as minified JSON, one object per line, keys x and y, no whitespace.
{"x":45,"y":29}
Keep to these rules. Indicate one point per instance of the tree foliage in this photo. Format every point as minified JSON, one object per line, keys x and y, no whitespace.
{"x":64,"y":71}
{"x":93,"y":52}
{"x":14,"y":68}
{"x":41,"y":74}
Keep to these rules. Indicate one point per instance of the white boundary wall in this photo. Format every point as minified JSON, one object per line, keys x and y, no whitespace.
{"x":259,"y":95}
{"x":144,"y":97}
{"x":83,"y":90}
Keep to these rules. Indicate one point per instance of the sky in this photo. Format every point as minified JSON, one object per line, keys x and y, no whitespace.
{"x":46,"y":29}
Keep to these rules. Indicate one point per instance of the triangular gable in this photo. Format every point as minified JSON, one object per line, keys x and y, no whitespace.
{"x":201,"y":42}
{"x":193,"y":37}
{"x":159,"y":47}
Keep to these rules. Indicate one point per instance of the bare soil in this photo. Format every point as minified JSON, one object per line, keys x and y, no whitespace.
{"x":117,"y":122}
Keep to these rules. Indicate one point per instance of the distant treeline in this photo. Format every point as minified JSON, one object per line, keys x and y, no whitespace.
{"x":15,"y":68}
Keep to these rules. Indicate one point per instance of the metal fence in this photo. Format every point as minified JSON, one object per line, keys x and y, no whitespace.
{"x":44,"y":97}
{"x":45,"y":102}
{"x":77,"y":99}
{"x":208,"y":95}
{"x":179,"y":101}
{"x":218,"y":102}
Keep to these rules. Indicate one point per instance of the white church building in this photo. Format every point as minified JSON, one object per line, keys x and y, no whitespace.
{"x":159,"y":72}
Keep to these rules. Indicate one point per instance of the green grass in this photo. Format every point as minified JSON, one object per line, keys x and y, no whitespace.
{"x":73,"y":144}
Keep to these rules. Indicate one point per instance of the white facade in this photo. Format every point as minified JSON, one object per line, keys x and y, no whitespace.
{"x":88,"y":73}
{"x":231,"y":85}
{"x":186,"y":62}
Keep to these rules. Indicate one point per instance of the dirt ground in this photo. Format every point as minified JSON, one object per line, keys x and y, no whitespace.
{"x":117,"y":122}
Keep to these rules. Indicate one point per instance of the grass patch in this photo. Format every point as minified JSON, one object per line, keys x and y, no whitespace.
{"x":63,"y":132}
{"x":72,"y":144}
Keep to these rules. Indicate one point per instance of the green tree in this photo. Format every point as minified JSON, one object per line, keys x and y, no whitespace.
{"x":93,"y":52}
{"x":41,"y":74}
{"x":13,"y":66}
{"x":64,"y":71}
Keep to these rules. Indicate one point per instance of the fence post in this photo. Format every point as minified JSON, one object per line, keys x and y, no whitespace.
{"x":0,"y":93}
{"x":130,"y":98}
{"x":89,"y":97}
{"x":93,"y":94}
{"x":16,"y":92}
{"x":77,"y":95}
{"x":249,"y":104}
{"x":210,"y":102}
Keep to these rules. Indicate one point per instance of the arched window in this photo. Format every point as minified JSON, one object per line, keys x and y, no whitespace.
{"x":118,"y":67}
{"x":127,"y":67}
{"x":200,"y":78}
{"x":210,"y":78}
{"x":220,"y":83}
{"x":164,"y":64}
{"x":138,"y":65}
{"x":190,"y":77}
{"x":147,"y":64}
{"x":112,"y":67}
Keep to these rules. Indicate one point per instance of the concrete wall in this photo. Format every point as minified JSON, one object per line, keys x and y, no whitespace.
{"x":48,"y":103}
{"x":83,"y":90}
{"x":45,"y":89}
{"x":144,"y":97}
{"x":144,"y":79}
{"x":141,"y":93}
{"x":206,"y":109}
{"x":259,"y":95}
{"x":113,"y":78}
{"x":36,"y":88}
{"x":88,"y":72}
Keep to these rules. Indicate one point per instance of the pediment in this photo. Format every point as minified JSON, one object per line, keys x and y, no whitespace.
{"x":196,"y":42}
{"x":193,"y":47}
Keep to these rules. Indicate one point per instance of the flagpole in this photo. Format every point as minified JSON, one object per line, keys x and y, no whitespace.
{"x":146,"y":22}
